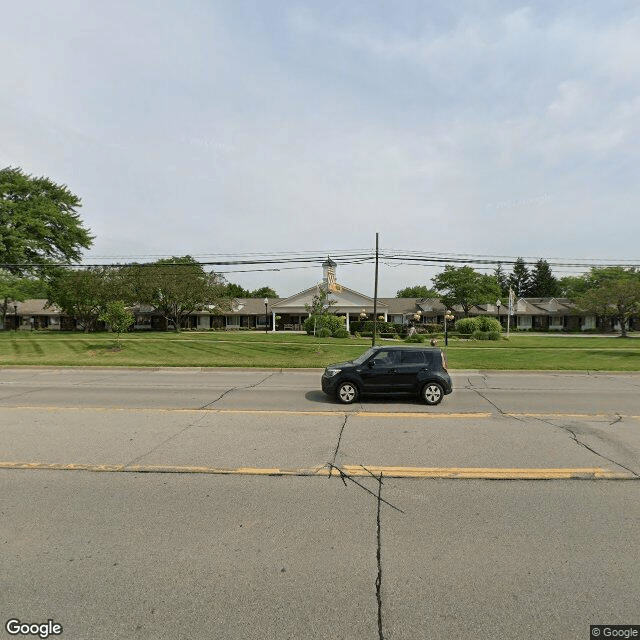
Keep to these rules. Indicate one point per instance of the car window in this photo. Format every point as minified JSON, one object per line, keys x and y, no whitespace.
{"x":386,"y":358}
{"x":413,"y":357}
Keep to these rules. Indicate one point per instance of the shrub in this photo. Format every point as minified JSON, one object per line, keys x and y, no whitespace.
{"x":323,"y":332}
{"x":466,"y":326}
{"x":485,"y":323}
{"x":434,"y":328}
{"x":486,"y":335}
{"x":415,"y":338}
{"x":324,"y":321}
{"x":341,"y":333}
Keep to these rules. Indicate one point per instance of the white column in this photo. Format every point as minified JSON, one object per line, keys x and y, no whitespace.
{"x":273,"y":321}
{"x":347,"y":321}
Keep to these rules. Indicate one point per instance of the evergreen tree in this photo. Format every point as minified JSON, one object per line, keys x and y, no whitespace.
{"x":520,"y":279}
{"x":502,"y":280}
{"x":543,"y":283}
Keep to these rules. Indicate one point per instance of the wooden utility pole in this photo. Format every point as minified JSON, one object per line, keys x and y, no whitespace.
{"x":375,"y":300}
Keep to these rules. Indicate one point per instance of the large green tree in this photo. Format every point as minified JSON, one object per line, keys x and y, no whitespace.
{"x":84,"y":294}
{"x":177,"y":287}
{"x":520,"y":279}
{"x":232,"y":290}
{"x":543,"y":283}
{"x":465,"y":287}
{"x":418,"y":291}
{"x":39,"y":222}
{"x":618,"y":300}
{"x":39,"y":227}
{"x":263,"y":292}
{"x":502,"y":280}
{"x":611,"y":293}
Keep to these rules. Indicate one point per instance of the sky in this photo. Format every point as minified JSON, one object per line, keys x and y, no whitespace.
{"x":211,"y":127}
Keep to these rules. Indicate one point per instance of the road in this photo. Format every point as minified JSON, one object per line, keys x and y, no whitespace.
{"x":188,"y":503}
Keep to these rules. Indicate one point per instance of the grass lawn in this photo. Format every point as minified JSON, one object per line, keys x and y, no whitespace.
{"x":252,"y":349}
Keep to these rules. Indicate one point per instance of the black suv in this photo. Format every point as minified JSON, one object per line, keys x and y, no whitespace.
{"x":414,"y":370}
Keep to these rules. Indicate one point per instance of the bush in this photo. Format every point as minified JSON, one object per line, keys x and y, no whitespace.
{"x":486,"y":335}
{"x":466,"y":326}
{"x":485,"y":323}
{"x":325,"y":321}
{"x":415,"y":338}
{"x":341,"y":333}
{"x":323,"y":332}
{"x":434,"y":328}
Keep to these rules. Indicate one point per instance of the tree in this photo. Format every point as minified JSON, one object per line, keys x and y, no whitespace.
{"x":39,"y":223}
{"x":85,"y":293}
{"x":543,"y":283}
{"x":501,"y":279}
{"x":418,"y":291}
{"x":520,"y":279}
{"x":572,"y":286}
{"x":615,"y":299}
{"x":14,"y":288}
{"x":263,"y":292}
{"x":118,"y":317}
{"x":321,"y":303}
{"x":177,"y":287}
{"x":466,"y":287}
{"x":232,"y":290}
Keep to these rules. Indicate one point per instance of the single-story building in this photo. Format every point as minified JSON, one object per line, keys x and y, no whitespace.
{"x":289,"y":314}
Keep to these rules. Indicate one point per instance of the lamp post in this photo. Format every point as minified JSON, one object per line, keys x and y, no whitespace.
{"x":447,"y":316}
{"x":266,"y":315}
{"x":499,"y":304}
{"x":15,"y":315}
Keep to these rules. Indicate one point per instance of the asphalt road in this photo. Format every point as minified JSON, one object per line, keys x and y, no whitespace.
{"x":196,"y":503}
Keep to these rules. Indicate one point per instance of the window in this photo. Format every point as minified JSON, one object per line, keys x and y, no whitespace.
{"x":412,"y":357}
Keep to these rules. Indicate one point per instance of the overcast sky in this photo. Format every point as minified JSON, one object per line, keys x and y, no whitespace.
{"x":204,"y":127}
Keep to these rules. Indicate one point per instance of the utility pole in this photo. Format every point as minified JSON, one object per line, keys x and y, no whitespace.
{"x":375,"y":300}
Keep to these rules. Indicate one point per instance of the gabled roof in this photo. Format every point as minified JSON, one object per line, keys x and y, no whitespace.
{"x":345,"y":299}
{"x":34,"y":307}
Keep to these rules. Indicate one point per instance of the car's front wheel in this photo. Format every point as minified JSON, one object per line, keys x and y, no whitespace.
{"x":432,"y":393}
{"x":347,"y":393}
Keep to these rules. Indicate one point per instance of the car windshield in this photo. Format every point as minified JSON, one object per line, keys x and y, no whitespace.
{"x":361,"y":359}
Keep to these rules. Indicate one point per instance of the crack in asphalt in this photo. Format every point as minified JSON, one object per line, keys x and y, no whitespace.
{"x":335,"y":453}
{"x":379,"y":499}
{"x":379,"y":561}
{"x":497,"y":408}
{"x":250,"y":386}
{"x":579,"y":442}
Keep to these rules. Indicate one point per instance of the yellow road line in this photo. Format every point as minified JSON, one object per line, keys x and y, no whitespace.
{"x":338,"y":413}
{"x":466,"y":473}
{"x":427,"y":415}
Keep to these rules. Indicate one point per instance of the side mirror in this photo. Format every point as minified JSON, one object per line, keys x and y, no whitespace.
{"x":371,"y":363}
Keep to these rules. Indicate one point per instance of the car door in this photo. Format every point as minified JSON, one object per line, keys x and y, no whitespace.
{"x":377,"y":372}
{"x":412,"y":362}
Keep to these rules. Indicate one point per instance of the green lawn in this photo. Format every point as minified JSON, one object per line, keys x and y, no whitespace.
{"x":250,"y":349}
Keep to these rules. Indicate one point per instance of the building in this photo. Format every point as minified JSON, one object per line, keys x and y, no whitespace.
{"x":289,"y":314}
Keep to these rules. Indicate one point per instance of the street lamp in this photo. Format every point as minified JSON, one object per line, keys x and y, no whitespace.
{"x":499,"y":304}
{"x":447,"y":316}
{"x":266,"y":315}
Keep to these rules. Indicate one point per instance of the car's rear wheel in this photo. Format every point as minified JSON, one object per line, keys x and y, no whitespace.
{"x":347,"y":392}
{"x":432,"y":393}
